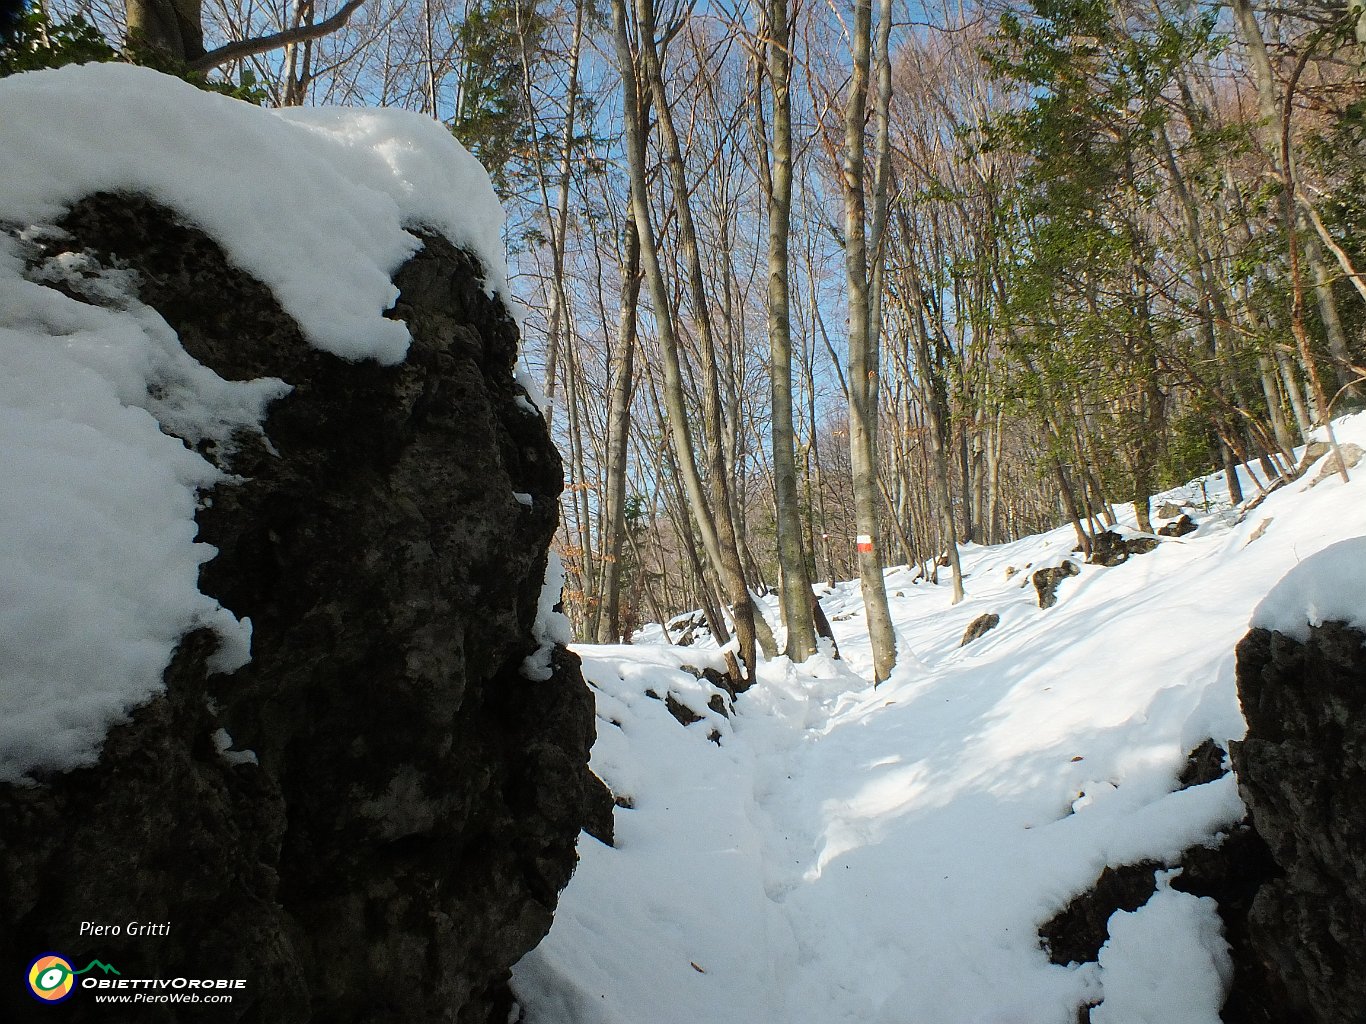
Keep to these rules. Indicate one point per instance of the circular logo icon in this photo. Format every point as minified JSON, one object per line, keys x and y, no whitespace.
{"x":50,"y":978}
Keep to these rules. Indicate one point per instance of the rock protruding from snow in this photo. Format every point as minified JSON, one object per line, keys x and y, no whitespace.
{"x":1348,"y":455}
{"x":1302,"y":684}
{"x":413,"y":805}
{"x":980,"y":627}
{"x":1046,"y":582}
{"x":1076,"y":933}
{"x":1111,"y":549}
{"x":1178,"y":528}
{"x":684,"y":714}
{"x":1204,"y":764}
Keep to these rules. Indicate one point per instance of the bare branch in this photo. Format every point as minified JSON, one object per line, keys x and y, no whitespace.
{"x":261,"y":44}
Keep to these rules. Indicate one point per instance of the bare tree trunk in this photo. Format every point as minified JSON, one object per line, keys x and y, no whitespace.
{"x":578,"y":488}
{"x":713,"y":529}
{"x":1344,"y":261}
{"x":730,"y":567}
{"x":863,"y":342}
{"x":299,"y":59}
{"x":558,"y":220}
{"x":1328,"y":306}
{"x":174,"y":27}
{"x":994,"y":533}
{"x":1275,"y":133}
{"x":707,"y":595}
{"x":618,"y":431}
{"x":795,"y":583}
{"x":930,"y":384}
{"x":1293,"y":393}
{"x":429,"y":58}
{"x":1272,"y":394}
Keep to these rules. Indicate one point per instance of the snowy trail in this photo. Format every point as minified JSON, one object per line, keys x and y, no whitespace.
{"x":848,"y":854}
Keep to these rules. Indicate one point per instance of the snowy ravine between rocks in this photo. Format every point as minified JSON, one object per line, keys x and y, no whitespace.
{"x":844,"y":854}
{"x":819,"y":852}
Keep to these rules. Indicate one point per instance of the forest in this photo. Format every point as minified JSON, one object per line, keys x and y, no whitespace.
{"x":817,"y":289}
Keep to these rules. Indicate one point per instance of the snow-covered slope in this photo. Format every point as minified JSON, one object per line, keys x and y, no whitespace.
{"x":846,"y":854}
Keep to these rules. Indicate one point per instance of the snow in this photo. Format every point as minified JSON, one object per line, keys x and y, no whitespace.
{"x":1329,"y":587}
{"x":1165,"y":963}
{"x":550,"y":627}
{"x":98,"y":561}
{"x":533,"y":399}
{"x":99,"y":403}
{"x":223,"y":743}
{"x":823,"y":852}
{"x":886,"y":856}
{"x":314,"y":202}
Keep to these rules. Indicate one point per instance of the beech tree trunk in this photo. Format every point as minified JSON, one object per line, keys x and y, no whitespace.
{"x":715,"y":525}
{"x":618,"y":431}
{"x":863,"y":327}
{"x":793,"y":577}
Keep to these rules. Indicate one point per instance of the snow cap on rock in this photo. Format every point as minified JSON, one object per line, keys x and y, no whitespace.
{"x":1329,"y":586}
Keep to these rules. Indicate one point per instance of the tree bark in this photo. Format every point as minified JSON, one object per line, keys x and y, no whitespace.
{"x":863,"y":340}
{"x":174,"y":27}
{"x":795,"y":583}
{"x":711,"y":526}
{"x":618,"y":431}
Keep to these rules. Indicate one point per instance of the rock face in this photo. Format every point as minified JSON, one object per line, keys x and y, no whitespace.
{"x":1076,"y":933}
{"x":1302,"y":774}
{"x":1290,"y":881}
{"x":414,"y":812}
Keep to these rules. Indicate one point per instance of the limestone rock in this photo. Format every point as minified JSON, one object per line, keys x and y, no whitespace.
{"x":1111,"y":549}
{"x":1313,"y":451}
{"x":980,"y":627}
{"x":1230,"y":872}
{"x":1302,"y":773}
{"x":1351,"y":456}
{"x":1204,"y":764}
{"x":1076,"y":933}
{"x":416,"y":802}
{"x":1046,"y":582}
{"x":1179,"y":528}
{"x":683,"y":714}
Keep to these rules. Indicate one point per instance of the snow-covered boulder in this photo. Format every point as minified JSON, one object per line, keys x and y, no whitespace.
{"x":273,"y":561}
